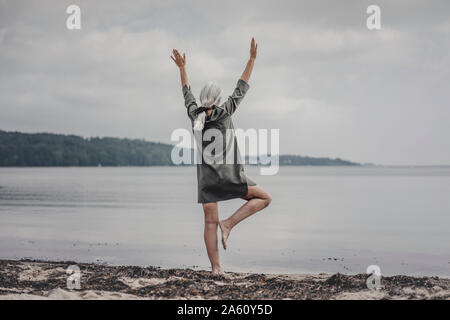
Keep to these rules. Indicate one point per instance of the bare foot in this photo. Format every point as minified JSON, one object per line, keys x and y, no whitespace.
{"x":218,"y":272}
{"x":225,"y":229}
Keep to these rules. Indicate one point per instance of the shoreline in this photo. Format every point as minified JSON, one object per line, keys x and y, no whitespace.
{"x":37,"y":279}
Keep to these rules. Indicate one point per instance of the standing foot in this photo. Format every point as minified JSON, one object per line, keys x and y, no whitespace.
{"x":217,"y":271}
{"x":225,"y":228}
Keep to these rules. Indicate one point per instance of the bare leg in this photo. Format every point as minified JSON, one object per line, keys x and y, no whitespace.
{"x":257,"y":199}
{"x":211,"y":222}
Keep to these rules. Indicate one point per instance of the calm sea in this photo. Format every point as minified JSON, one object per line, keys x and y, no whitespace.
{"x":322,"y":219}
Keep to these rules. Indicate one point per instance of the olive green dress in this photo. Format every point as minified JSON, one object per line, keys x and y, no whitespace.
{"x":227,"y":180}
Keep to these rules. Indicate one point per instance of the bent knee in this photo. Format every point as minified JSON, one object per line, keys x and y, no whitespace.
{"x":267,"y":200}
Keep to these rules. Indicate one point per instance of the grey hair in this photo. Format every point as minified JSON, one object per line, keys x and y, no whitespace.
{"x":210,"y":95}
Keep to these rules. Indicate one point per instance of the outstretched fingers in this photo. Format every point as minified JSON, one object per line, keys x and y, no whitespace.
{"x":177,"y":58}
{"x":174,"y":56}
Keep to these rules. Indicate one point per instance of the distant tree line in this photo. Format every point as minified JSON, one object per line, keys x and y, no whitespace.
{"x":46,"y":149}
{"x":295,"y":160}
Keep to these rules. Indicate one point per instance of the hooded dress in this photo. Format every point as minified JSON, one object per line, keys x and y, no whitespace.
{"x":223,"y":178}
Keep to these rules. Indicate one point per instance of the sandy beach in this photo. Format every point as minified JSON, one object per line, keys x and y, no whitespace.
{"x":31,"y":279}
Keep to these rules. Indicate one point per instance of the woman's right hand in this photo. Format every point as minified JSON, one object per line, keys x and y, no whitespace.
{"x":178,"y":59}
{"x":253,"y":49}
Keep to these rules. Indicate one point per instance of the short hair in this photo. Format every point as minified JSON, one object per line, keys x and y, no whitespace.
{"x":210,"y":95}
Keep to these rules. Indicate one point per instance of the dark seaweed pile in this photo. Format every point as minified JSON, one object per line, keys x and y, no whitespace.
{"x":190,"y":283}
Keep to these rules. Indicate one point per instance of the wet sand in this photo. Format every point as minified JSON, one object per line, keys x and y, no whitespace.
{"x":31,"y":279}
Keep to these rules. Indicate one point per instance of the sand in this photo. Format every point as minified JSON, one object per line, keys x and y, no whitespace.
{"x":31,"y":279}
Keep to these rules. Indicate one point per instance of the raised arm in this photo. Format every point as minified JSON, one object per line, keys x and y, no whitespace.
{"x":242,"y":85}
{"x":249,"y":67}
{"x":180,"y":61}
{"x":189,"y":99}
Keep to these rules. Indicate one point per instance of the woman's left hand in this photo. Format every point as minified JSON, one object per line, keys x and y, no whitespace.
{"x":178,"y":59}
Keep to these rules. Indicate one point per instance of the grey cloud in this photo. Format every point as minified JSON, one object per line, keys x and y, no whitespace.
{"x":333,"y":87}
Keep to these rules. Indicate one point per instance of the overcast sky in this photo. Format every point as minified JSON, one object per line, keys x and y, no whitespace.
{"x":332,"y":87}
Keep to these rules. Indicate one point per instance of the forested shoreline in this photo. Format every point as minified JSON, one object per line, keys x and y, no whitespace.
{"x":19,"y":149}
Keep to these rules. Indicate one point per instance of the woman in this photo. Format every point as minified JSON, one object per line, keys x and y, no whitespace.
{"x":221,"y":181}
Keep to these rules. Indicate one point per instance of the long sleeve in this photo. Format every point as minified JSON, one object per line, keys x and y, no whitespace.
{"x":189,"y":102}
{"x":238,"y":94}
